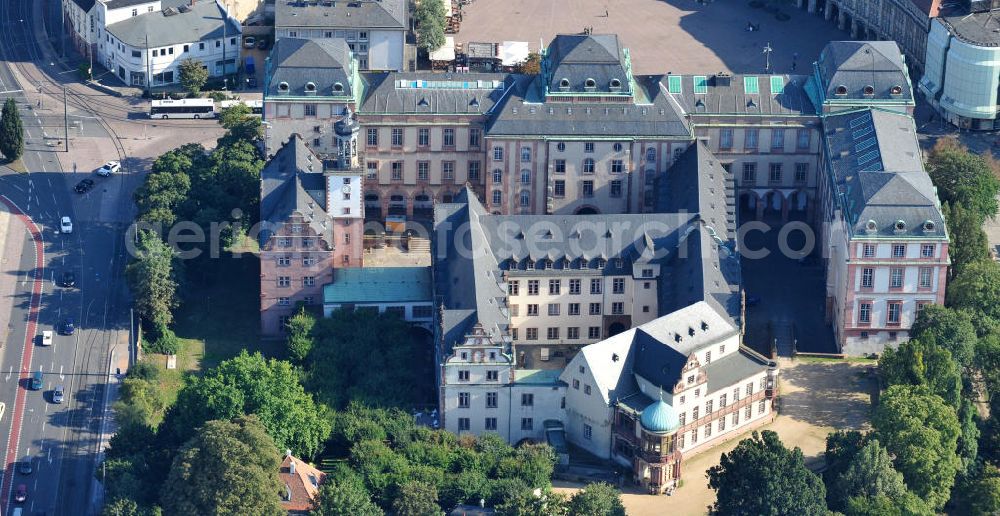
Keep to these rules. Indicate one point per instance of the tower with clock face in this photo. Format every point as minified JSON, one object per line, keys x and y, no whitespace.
{"x":344,"y":191}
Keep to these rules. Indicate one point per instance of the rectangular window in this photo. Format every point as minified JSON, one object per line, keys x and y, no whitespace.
{"x":533,"y":287}
{"x":513,"y":287}
{"x":700,"y":84}
{"x":463,"y":400}
{"x":761,"y":407}
{"x":560,"y":166}
{"x":927,"y":251}
{"x":423,"y":137}
{"x":474,"y":167}
{"x":308,"y":281}
{"x":527,"y":400}
{"x":574,"y":309}
{"x":463,"y":424}
{"x":552,"y":333}
{"x":708,"y":430}
{"x":709,"y":408}
{"x":572,"y":333}
{"x":284,"y":281}
{"x":750,"y":139}
{"x":525,"y":154}
{"x":574,"y":286}
{"x":553,"y":309}
{"x":397,"y":170}
{"x":722,"y":424}
{"x":893,"y":312}
{"x":595,"y":286}
{"x":588,"y":432}
{"x":423,"y":170}
{"x":865,"y":313}
{"x":554,"y":286}
{"x":694,"y":413}
{"x":747,"y":413}
{"x":559,"y":188}
{"x":586,"y":390}
{"x":595,"y":309}
{"x":594,"y":332}
{"x":725,"y":139}
{"x":802,"y":140}
{"x":492,"y":376}
{"x":896,"y":277}
{"x":448,"y":170}
{"x":497,"y":153}
{"x":777,"y":85}
{"x":674,"y":83}
{"x":491,"y":400}
{"x":372,"y":138}
{"x":616,"y":188}
{"x":475,"y":135}
{"x":749,"y":172}
{"x":284,"y":261}
{"x":926,"y":277}
{"x":576,"y":384}
{"x":801,"y":172}
{"x":532,"y":310}
{"x":531,"y":334}
{"x":618,"y":286}
{"x":722,"y":401}
{"x":617,"y":166}
{"x":898,"y":251}
{"x":868,"y":250}
{"x":588,"y":147}
{"x":491,"y":424}
{"x":867,"y":277}
{"x":527,"y":423}
{"x":463,"y":376}
{"x":588,"y":189}
{"x":449,"y":137}
{"x":750,"y":85}
{"x":309,"y":109}
{"x":775,"y":173}
{"x":777,"y":139}
{"x":283,"y":301}
{"x":617,"y":308}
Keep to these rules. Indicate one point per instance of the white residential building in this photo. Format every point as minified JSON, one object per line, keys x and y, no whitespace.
{"x":152,"y":44}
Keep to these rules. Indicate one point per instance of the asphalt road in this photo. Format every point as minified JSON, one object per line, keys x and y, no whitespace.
{"x":61,"y":440}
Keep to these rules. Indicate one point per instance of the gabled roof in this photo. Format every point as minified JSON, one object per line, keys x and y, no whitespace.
{"x":847,"y":68}
{"x":301,"y":485}
{"x":577,"y":58}
{"x":877,"y":169}
{"x":292,"y":182}
{"x":205,"y":20}
{"x":325,"y":63}
{"x":341,"y":14}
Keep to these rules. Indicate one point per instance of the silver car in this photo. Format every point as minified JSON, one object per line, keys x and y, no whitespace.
{"x":57,"y":395}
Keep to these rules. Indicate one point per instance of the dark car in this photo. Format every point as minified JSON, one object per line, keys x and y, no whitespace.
{"x":68,"y":279}
{"x":25,"y":467}
{"x":84,"y":186}
{"x":37,"y":381}
{"x":251,"y":82}
{"x":67,"y":327}
{"x":21,"y":493}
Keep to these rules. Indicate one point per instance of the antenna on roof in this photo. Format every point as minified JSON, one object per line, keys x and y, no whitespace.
{"x":767,"y":57}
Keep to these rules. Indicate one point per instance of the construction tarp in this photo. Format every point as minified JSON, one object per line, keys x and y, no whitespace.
{"x":513,"y":52}
{"x":446,"y":52}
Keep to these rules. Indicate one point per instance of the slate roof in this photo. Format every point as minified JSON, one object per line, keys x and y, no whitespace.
{"x":203,"y":21}
{"x":379,"y":285}
{"x":119,"y":4}
{"x":524,"y":112}
{"x":856,"y":65}
{"x":324,"y":62}
{"x":579,"y":57}
{"x":86,"y":5}
{"x":727,"y":94}
{"x":341,"y":14}
{"x":433,"y":93}
{"x":734,"y":367}
{"x":974,"y":28}
{"x":876,"y":166}
{"x":290,"y":182}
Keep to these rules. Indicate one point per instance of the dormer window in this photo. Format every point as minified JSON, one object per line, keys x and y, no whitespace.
{"x":871,"y":226}
{"x":310,"y":88}
{"x":869,"y":90}
{"x":900,"y":226}
{"x":590,"y":85}
{"x":564,"y":84}
{"x":338,"y":87}
{"x":896,"y":90}
{"x":929,"y":226}
{"x":615,"y":85}
{"x":840,"y":90}
{"x":282,"y":87}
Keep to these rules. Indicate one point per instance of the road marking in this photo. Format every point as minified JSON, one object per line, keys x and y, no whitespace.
{"x":9,"y":372}
{"x":61,"y":377}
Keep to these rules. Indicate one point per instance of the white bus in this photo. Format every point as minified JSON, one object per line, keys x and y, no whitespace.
{"x":256,"y":106}
{"x":184,"y":108}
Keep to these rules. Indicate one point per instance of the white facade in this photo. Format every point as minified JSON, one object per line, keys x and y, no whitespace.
{"x":345,"y":195}
{"x":132,"y":64}
{"x":374,"y":49}
{"x":961,"y":78}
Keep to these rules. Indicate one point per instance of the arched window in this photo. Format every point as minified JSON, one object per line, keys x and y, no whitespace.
{"x":497,"y":176}
{"x":525,"y":198}
{"x":525,"y":177}
{"x":588,"y":166}
{"x":497,"y":196}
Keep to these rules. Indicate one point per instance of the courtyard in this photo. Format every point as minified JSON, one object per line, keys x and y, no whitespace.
{"x":678,"y":36}
{"x":816,"y":398}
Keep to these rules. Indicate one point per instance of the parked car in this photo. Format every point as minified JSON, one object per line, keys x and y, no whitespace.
{"x":66,"y":225}
{"x":249,"y":41}
{"x":68,"y":279}
{"x":21,"y":493}
{"x":58,"y":394}
{"x":84,"y":186}
{"x":25,"y":467}
{"x":37,"y":380}
{"x":47,"y":338}
{"x":111,"y":167}
{"x":67,"y":327}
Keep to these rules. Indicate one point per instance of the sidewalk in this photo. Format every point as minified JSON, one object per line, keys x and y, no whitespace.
{"x":11,"y":245}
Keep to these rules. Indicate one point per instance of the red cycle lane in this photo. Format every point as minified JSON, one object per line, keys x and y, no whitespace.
{"x":17,"y":414}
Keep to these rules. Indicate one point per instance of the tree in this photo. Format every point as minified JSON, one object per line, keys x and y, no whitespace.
{"x":152,"y":279}
{"x":532,"y":65}
{"x":988,"y":362}
{"x":11,"y":131}
{"x":921,"y":431}
{"x":869,"y":475}
{"x":240,"y":124}
{"x":416,"y":499}
{"x":430,"y":17}
{"x":193,"y":75}
{"x":917,"y":363}
{"x":226,"y":468}
{"x":963,"y":177}
{"x":968,"y":240}
{"x":977,"y":289}
{"x":121,"y":507}
{"x":762,"y":477}
{"x":251,"y":384}
{"x":344,"y":499}
{"x":979,"y":493}
{"x":300,"y":339}
{"x":597,"y":498}
{"x":949,"y":328}
{"x":525,"y":503}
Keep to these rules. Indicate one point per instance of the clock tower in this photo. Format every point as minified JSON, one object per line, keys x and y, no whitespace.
{"x":344,"y":192}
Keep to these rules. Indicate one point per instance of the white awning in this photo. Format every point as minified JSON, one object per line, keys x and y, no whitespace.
{"x":446,"y":52}
{"x":513,"y":52}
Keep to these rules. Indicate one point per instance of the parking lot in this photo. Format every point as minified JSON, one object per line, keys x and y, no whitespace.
{"x":681,"y":36}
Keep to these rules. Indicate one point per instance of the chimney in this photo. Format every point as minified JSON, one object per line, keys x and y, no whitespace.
{"x":291,"y":467}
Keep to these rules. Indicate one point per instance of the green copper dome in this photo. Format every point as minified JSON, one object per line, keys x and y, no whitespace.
{"x":660,"y":418}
